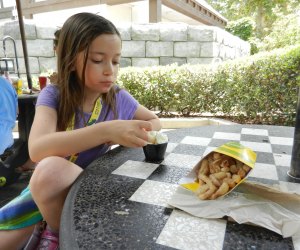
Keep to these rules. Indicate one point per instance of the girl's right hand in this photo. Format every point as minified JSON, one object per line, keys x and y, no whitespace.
{"x":129,"y":133}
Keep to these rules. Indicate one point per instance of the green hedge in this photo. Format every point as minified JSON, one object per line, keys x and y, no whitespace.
{"x":259,"y":89}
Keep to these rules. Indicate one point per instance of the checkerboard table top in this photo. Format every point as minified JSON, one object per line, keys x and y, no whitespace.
{"x":121,"y":201}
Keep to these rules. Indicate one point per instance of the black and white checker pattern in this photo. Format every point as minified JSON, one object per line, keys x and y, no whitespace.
{"x":154,"y":184}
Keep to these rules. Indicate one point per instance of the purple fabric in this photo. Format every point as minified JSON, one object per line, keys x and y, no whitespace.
{"x":126,"y":108}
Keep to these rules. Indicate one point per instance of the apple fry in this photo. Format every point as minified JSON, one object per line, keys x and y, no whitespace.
{"x":233,"y":169}
{"x":246,"y":168}
{"x":210,"y":191}
{"x":207,"y":194}
{"x":218,"y":174}
{"x":202,"y":189}
{"x":241,"y":173}
{"x":225,"y":164}
{"x":236,"y":178}
{"x":204,"y":167}
{"x":214,"y":180}
{"x":225,"y":169}
{"x":223,"y":189}
{"x":216,"y":156}
{"x":207,"y":181}
{"x":231,"y":183}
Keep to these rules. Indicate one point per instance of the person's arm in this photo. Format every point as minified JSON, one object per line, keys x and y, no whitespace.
{"x":45,"y":141}
{"x":145,"y":114}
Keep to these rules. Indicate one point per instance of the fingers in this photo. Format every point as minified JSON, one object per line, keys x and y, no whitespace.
{"x":130,"y":133}
{"x":146,"y":125}
{"x":139,"y":143}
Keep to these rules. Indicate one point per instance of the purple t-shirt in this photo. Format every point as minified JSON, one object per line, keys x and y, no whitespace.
{"x":126,"y":107}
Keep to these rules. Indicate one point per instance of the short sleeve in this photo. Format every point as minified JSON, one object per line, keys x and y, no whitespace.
{"x":126,"y":105}
{"x":48,"y":97}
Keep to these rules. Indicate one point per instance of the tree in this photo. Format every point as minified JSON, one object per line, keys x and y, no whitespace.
{"x":285,"y":32}
{"x":242,"y":28}
{"x":263,"y":12}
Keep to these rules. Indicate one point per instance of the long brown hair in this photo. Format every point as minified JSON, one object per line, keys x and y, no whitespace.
{"x":76,"y":35}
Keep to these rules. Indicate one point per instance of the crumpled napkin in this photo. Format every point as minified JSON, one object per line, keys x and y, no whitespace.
{"x":251,"y":202}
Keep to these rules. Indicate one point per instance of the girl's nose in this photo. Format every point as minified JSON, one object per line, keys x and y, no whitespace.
{"x":108,"y":68}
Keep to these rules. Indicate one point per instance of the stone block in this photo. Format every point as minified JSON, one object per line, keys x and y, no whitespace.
{"x":201,"y":34}
{"x":220,"y":34}
{"x":157,"y":49}
{"x":125,"y":62}
{"x":34,"y":66}
{"x":12,"y":29}
{"x":125,"y":32}
{"x":173,"y":32}
{"x":40,"y":47}
{"x":145,"y":62}
{"x":204,"y":60}
{"x":133,"y":49}
{"x":145,"y":32}
{"x":223,"y":49}
{"x":1,"y":31}
{"x":172,"y":60}
{"x":210,"y":49}
{"x":187,"y":49}
{"x":9,"y":48}
{"x":47,"y":64}
{"x":230,"y":53}
{"x":245,"y":49}
{"x":229,"y":40}
{"x":142,"y":44}
{"x":45,"y":32}
{"x":34,"y":48}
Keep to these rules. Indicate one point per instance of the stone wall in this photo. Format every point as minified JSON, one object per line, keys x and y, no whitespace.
{"x":143,"y":45}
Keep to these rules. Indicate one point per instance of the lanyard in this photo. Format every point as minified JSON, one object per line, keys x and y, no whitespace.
{"x":93,"y":119}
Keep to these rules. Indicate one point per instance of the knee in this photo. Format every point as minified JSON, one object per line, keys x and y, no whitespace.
{"x":46,"y":174}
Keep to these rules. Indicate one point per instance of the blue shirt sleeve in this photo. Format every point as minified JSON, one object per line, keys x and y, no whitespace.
{"x":8,"y":113}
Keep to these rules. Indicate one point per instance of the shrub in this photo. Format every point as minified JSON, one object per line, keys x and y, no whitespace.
{"x":261,"y":88}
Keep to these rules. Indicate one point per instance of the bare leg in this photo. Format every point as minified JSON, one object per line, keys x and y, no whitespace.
{"x":50,"y":184}
{"x":15,"y":239}
{"x":29,"y":165}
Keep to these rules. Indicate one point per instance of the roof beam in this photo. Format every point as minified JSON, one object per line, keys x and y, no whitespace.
{"x":190,"y":8}
{"x":154,"y":11}
{"x":196,"y":11}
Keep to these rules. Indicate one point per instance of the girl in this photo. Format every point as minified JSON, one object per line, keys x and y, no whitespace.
{"x":77,"y":120}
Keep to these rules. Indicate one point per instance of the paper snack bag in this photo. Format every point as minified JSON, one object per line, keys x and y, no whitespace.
{"x":220,"y":171}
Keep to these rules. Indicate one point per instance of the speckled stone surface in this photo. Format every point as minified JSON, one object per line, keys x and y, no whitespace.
{"x":121,"y":202}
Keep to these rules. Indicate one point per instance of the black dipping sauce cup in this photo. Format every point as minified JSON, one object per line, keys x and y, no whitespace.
{"x":155,"y":152}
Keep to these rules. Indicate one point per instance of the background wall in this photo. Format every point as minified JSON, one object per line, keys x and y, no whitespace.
{"x":143,"y":45}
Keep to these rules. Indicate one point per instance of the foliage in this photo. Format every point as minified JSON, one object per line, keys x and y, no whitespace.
{"x":265,"y":14}
{"x":285,"y":32}
{"x":242,"y":28}
{"x":260,"y":88}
